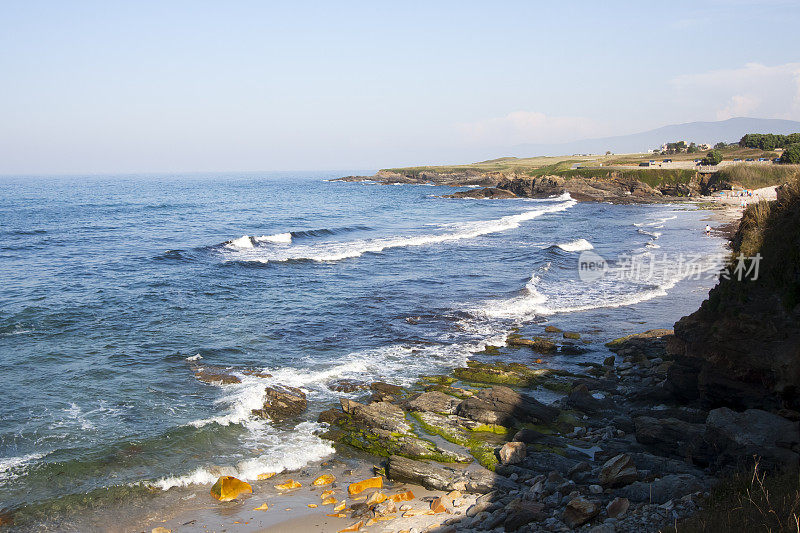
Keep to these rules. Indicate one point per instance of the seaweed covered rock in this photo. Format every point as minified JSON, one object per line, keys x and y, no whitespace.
{"x":504,"y":406}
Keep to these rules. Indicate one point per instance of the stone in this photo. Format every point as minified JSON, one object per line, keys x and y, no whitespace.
{"x":353,"y":527}
{"x":732,"y":436}
{"x":438,"y":506}
{"x":528,"y":436}
{"x":282,"y":402}
{"x":229,"y":488}
{"x":552,"y":329}
{"x":375,"y":498}
{"x":669,"y":435}
{"x":262,"y":507}
{"x":572,"y":335}
{"x":385,"y":392}
{"x":581,"y":399}
{"x":617,"y":507}
{"x":160,"y":530}
{"x":512,"y":453}
{"x":385,"y":508}
{"x":609,"y":361}
{"x":579,"y":511}
{"x":324,"y":479}
{"x":484,"y":193}
{"x":664,"y":489}
{"x":537,"y":344}
{"x":290,"y":484}
{"x":595,"y":489}
{"x":618,"y":471}
{"x":265,"y":475}
{"x":434,"y":401}
{"x":434,"y":476}
{"x":502,"y":405}
{"x":214,"y":375}
{"x":402,"y":496}
{"x":521,"y":513}
{"x":361,"y":486}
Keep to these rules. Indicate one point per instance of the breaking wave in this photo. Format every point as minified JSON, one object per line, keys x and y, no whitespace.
{"x":244,"y":249}
{"x":578,"y":245}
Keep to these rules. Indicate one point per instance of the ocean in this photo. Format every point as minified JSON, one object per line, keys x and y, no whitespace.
{"x":115,"y":289}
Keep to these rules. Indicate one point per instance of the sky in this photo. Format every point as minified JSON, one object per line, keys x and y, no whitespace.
{"x":180,"y":86}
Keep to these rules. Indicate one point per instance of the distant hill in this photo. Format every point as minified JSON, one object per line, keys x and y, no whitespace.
{"x":730,"y":130}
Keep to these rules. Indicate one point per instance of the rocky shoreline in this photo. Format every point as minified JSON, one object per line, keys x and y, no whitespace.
{"x":616,"y":186}
{"x":474,"y":450}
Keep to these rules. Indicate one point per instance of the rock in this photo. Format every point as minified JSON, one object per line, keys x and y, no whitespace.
{"x":512,"y":453}
{"x":578,"y":469}
{"x":618,"y":471}
{"x":385,"y":392}
{"x":609,"y":361}
{"x":330,"y":416}
{"x":361,"y":486}
{"x":434,"y":401}
{"x":662,"y":490}
{"x":579,"y":511}
{"x":572,"y":335}
{"x":488,"y":192}
{"x":437,"y":477}
{"x":347,"y":385}
{"x":160,"y":530}
{"x":375,"y":498}
{"x":384,"y":508}
{"x":552,"y":329}
{"x":595,"y":489}
{"x":353,"y":527}
{"x":582,"y":400}
{"x":528,"y":436}
{"x":282,"y":402}
{"x":289,"y":484}
{"x":324,"y":479}
{"x":617,"y":507}
{"x":382,"y":415}
{"x":733,"y":436}
{"x":502,"y":406}
{"x":214,"y":375}
{"x":669,"y":435}
{"x":537,"y":344}
{"x":229,"y":488}
{"x":438,"y":506}
{"x":521,"y":512}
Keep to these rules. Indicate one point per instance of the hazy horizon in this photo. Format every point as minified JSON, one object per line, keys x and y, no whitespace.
{"x":91,"y":88}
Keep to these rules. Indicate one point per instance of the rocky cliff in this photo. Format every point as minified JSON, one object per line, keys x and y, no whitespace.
{"x":601,"y":185}
{"x":742,"y":347}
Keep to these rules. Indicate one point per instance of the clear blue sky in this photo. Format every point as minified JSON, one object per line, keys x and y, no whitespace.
{"x":113,"y":86}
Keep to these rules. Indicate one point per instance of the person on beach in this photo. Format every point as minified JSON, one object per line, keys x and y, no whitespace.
{"x":708,"y":230}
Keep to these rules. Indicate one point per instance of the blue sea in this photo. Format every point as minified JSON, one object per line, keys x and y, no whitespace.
{"x":115,"y":289}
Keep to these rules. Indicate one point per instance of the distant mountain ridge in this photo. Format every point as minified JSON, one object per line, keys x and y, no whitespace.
{"x":730,"y":130}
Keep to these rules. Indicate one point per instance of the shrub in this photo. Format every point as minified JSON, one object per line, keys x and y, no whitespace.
{"x":791,"y":154}
{"x":712,"y":158}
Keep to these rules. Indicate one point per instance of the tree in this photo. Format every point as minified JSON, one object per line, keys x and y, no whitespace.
{"x":692,"y":149}
{"x":720,"y":145}
{"x":791,"y":154}
{"x":712,"y":158}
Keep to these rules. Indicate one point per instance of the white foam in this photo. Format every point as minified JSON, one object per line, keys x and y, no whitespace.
{"x":194,"y":357}
{"x":606,"y":292}
{"x":337,"y":251}
{"x":287,"y":451}
{"x":278,"y":238}
{"x":12,"y":467}
{"x":578,"y":245}
{"x":242,"y":243}
{"x":238,"y":401}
